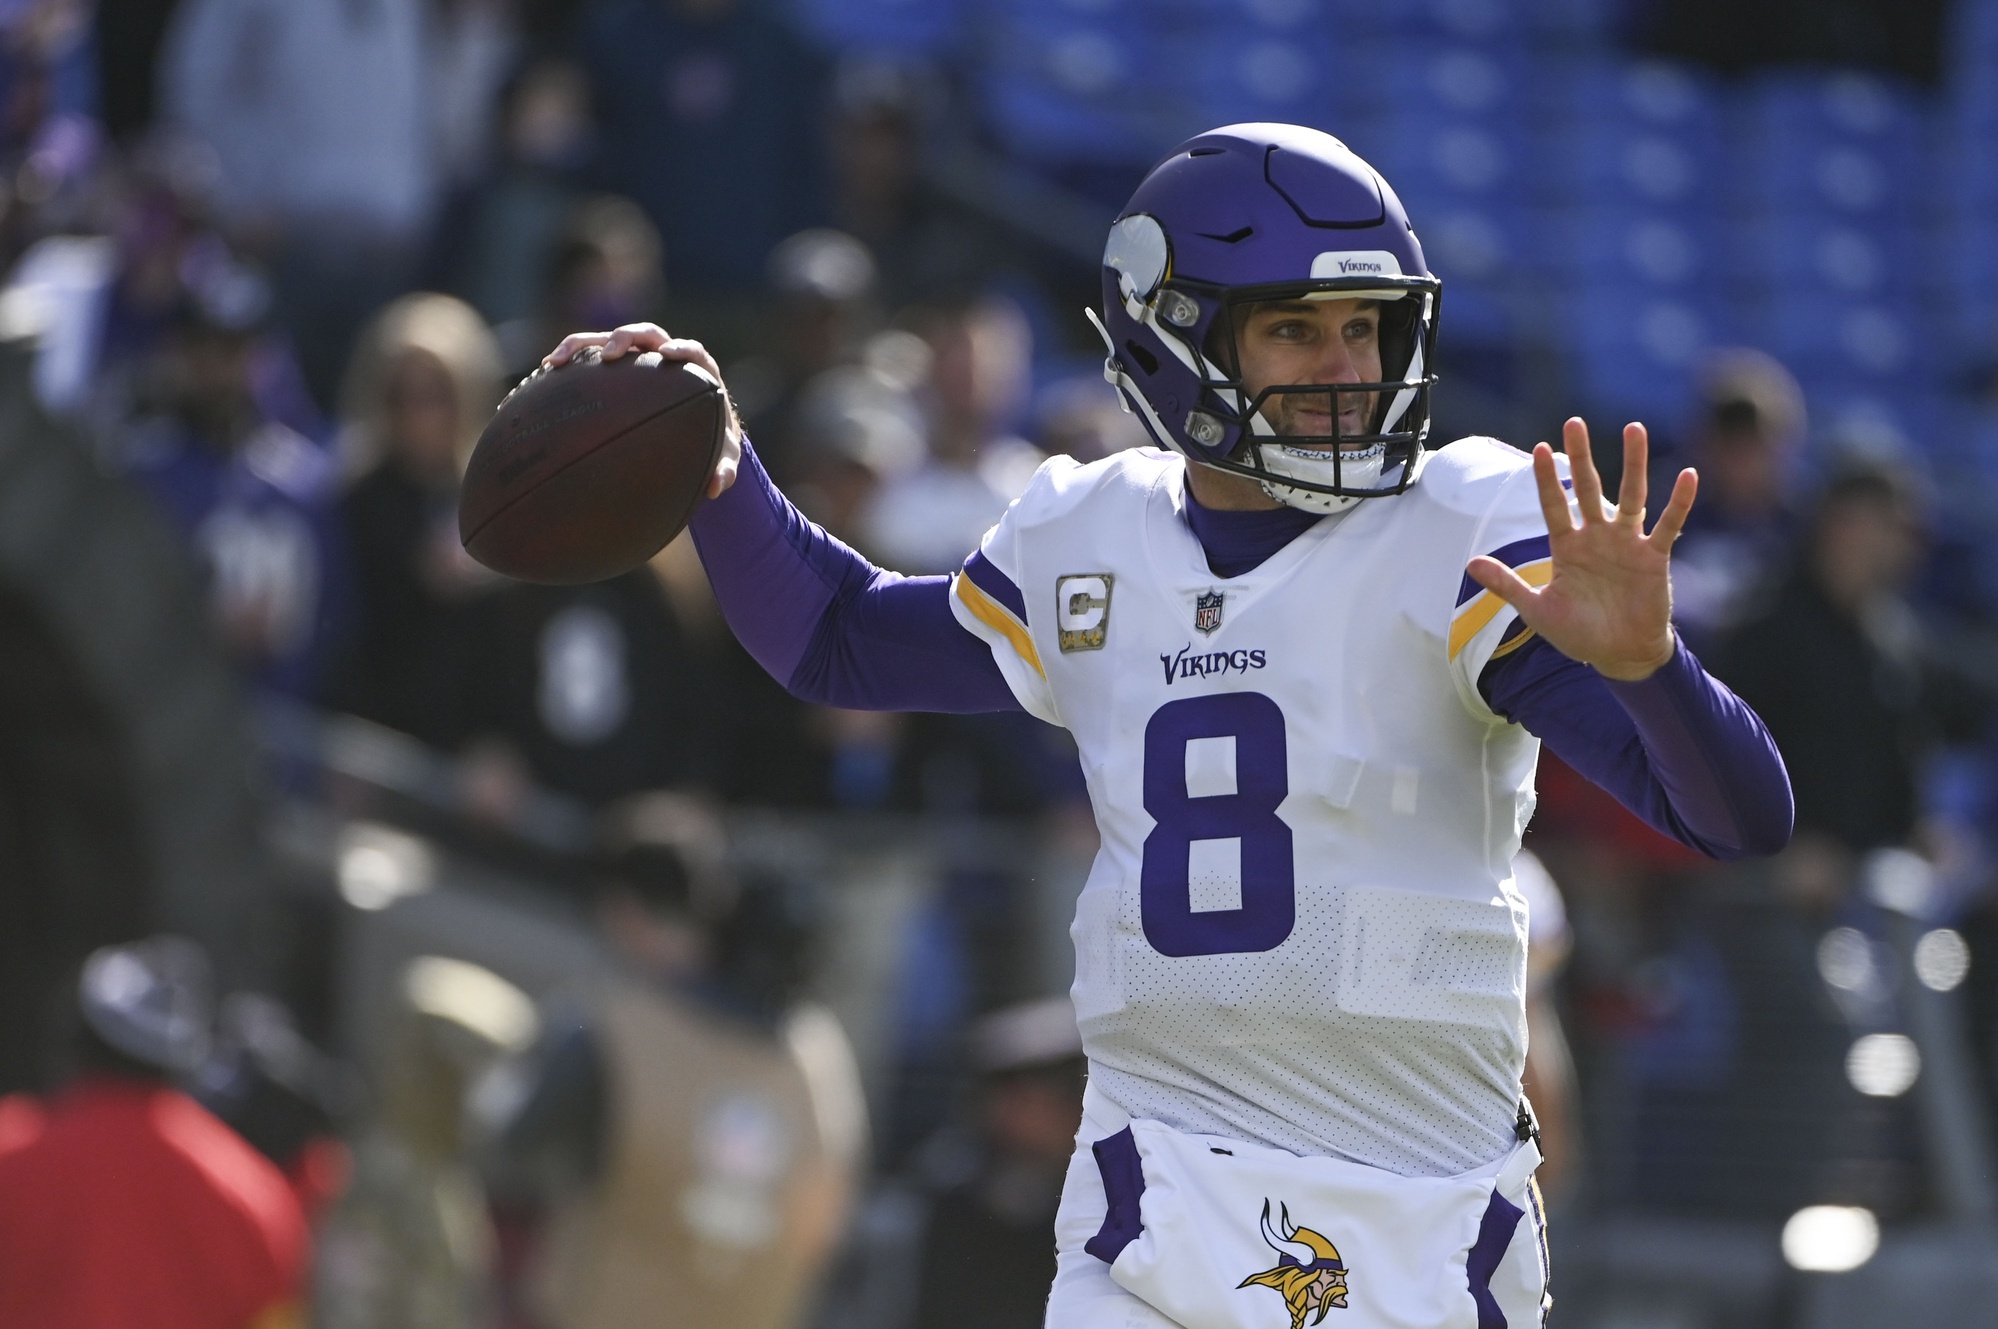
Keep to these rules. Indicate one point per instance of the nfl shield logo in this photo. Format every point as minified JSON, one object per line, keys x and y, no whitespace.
{"x":1207,"y":612}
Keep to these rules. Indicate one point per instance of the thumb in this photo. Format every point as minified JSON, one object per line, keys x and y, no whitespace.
{"x":1503,"y":582}
{"x":727,"y":467}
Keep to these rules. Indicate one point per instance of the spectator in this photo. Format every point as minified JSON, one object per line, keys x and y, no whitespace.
{"x":1084,"y":418}
{"x":1839,"y":670}
{"x":422,"y":385}
{"x":470,"y":47}
{"x":710,"y":117}
{"x":928,"y":520}
{"x":410,"y":1246}
{"x":1739,"y":539}
{"x":986,"y":1258}
{"x":129,"y":1203}
{"x":254,"y":499}
{"x":493,"y":249}
{"x":697,"y":1130}
{"x":928,"y":245}
{"x":856,"y":427}
{"x":318,"y":112}
{"x":603,"y":271}
{"x":594,"y":691}
{"x":822,"y":284}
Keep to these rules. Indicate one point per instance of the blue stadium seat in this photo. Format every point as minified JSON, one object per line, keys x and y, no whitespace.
{"x":1634,"y":351}
{"x":1844,"y":104}
{"x":1661,"y":96}
{"x":1869,"y":345}
{"x":1074,"y":91}
{"x":1453,"y":79}
{"x":1437,"y":161}
{"x":1830,"y":254}
{"x":1612,"y":163}
{"x":1476,"y":250}
{"x":1263,"y":76}
{"x":1486,"y":23}
{"x":1573,"y":22}
{"x":1636,"y":249}
{"x":1847,"y":143}
{"x":1973,"y":28}
{"x":905,"y":27}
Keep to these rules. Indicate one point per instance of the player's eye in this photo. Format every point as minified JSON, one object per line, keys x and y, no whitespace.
{"x":1360,"y":329}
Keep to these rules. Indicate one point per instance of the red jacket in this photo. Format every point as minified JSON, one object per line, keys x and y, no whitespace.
{"x":130,"y":1204}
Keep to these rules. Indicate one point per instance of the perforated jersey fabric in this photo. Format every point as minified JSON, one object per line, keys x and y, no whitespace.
{"x":1301,"y":928}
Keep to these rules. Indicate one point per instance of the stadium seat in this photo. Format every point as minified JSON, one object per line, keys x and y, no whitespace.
{"x":1634,"y":350}
{"x":1848,"y":143}
{"x":1264,"y":76}
{"x":1662,"y":254}
{"x":1076,"y":92}
{"x":1830,"y":254}
{"x":902,"y":27}
{"x":1874,"y":345}
{"x":1658,"y":95}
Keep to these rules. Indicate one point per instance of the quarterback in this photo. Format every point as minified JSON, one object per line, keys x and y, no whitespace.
{"x":1308,"y":661}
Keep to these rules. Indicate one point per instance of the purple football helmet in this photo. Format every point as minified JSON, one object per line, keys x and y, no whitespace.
{"x":1251,"y":213}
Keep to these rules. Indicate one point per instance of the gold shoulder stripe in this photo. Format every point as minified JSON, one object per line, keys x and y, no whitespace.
{"x":995,"y":616}
{"x":1484,"y":607}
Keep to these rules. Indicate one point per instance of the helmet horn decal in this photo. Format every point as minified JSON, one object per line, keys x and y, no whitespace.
{"x":1285,"y":1244}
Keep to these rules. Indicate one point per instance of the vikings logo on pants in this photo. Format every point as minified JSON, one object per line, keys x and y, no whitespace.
{"x":1309,"y":1274}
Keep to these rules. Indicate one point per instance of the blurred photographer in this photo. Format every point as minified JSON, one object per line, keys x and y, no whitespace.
{"x":695,"y":1132}
{"x":127,"y":1202}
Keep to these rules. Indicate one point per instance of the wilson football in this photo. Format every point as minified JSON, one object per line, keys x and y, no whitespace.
{"x":588,"y":470}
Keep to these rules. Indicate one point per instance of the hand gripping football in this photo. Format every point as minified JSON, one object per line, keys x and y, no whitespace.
{"x":590,"y":469}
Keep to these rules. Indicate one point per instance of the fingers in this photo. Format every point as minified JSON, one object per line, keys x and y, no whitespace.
{"x":570,"y":345}
{"x":1506,"y":584}
{"x":1582,"y":467}
{"x":637,"y":337}
{"x":1553,"y":499}
{"x":1635,"y":487}
{"x":634,"y":337}
{"x":1673,"y":519}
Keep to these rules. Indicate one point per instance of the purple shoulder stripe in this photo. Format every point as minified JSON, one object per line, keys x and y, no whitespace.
{"x":1530,"y":550}
{"x":989,"y":579}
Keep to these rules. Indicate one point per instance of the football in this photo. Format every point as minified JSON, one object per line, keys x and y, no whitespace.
{"x":590,"y":469}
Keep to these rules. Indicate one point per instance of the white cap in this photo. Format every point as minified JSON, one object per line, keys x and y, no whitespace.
{"x":151,"y":1000}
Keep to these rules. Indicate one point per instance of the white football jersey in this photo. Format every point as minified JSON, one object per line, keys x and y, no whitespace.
{"x":1301,"y":928}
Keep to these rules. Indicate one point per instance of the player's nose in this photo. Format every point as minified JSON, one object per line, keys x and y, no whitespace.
{"x":1335,"y":362}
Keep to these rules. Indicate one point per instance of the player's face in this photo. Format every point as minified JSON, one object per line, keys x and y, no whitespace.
{"x":1286,"y":342}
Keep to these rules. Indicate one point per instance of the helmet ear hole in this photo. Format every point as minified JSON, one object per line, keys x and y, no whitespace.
{"x":1146,"y":360}
{"x":1219,"y":344}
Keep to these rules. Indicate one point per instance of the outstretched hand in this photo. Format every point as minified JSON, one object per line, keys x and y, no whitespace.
{"x":643,"y":337}
{"x":1609,"y":602}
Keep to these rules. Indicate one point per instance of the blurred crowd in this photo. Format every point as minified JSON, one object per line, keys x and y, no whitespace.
{"x":279,"y":259}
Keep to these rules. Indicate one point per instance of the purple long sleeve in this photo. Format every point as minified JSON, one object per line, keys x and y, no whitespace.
{"x":828,"y":624}
{"x":1678,"y":749}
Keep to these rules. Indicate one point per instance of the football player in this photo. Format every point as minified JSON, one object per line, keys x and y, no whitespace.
{"x":1308,"y":662}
